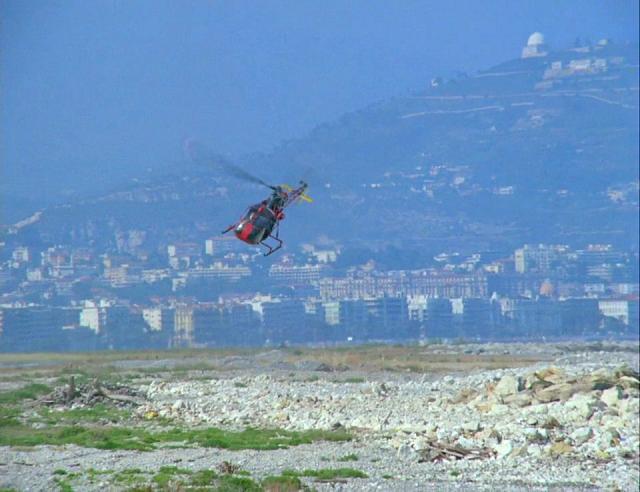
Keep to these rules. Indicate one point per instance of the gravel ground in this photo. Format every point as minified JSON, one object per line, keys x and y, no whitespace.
{"x":594,"y":446}
{"x":33,"y":470}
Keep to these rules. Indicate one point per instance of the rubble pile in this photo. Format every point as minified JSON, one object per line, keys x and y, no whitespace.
{"x":550,"y":412}
{"x":570,"y":421}
{"x":581,"y":410}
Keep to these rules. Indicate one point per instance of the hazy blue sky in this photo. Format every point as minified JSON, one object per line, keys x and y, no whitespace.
{"x":95,"y":90}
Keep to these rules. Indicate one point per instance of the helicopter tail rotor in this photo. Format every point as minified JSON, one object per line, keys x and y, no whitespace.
{"x":299,"y":193}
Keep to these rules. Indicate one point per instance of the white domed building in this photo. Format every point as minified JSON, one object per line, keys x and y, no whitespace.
{"x":535,"y":46}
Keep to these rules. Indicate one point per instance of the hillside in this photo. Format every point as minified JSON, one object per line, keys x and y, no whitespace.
{"x":532,"y":150}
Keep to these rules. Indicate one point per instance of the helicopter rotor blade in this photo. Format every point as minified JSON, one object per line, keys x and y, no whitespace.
{"x":197,"y":153}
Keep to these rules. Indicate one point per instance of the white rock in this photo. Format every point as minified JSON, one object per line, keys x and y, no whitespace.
{"x":535,"y":435}
{"x":420,"y":443}
{"x":404,"y":451}
{"x":581,"y":435}
{"x":534,"y":450}
{"x":607,"y":439}
{"x":630,"y":408}
{"x":499,"y":409}
{"x":471,"y":426}
{"x":466,"y":443}
{"x":581,"y":407}
{"x":508,"y":385}
{"x":612,"y":396}
{"x":504,"y":449}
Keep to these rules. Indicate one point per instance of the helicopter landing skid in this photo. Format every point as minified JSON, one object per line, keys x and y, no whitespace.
{"x":272,"y":249}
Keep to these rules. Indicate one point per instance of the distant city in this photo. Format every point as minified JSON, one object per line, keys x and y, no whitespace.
{"x":219,"y":293}
{"x":423,"y":207}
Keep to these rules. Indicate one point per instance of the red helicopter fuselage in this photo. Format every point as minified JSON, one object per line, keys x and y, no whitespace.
{"x":260,"y":220}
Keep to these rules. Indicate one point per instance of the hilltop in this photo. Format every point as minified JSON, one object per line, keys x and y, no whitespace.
{"x":538,"y":149}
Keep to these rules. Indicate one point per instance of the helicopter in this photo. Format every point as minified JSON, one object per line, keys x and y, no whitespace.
{"x":259,"y":222}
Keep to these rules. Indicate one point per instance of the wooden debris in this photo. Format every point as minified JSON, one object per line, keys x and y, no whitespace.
{"x":437,"y":451}
{"x":228,"y":468}
{"x":89,"y":394}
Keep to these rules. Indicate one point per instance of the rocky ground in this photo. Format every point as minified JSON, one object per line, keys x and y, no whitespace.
{"x":558,"y":417}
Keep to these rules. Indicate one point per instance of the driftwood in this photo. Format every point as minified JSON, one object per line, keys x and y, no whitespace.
{"x":437,"y":451}
{"x":87,"y":394}
{"x":70,"y":392}
{"x":101,"y":391}
{"x":119,"y":397}
{"x":228,"y":468}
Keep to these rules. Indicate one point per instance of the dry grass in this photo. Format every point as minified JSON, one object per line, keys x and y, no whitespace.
{"x":118,"y":355}
{"x":410,"y":359}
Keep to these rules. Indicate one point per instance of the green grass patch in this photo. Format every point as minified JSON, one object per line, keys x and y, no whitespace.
{"x":141,"y":440}
{"x":349,"y":457}
{"x":281,"y":483}
{"x":99,"y":412}
{"x":175,"y":470}
{"x":174,"y":478}
{"x":29,"y":392}
{"x":93,"y":474}
{"x":170,"y":477}
{"x":353,"y":380}
{"x":386,"y":476}
{"x":95,"y":437}
{"x":327,"y":473}
{"x":231,"y":483}
{"x":8,"y":416}
{"x":64,"y":485}
{"x":166,"y":478}
{"x":168,"y":474}
{"x":129,"y":476}
{"x":261,"y":439}
{"x":203,"y":478}
{"x":185,"y":368}
{"x":104,"y":374}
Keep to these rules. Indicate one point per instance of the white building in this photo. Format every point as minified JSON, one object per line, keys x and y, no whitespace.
{"x":295,"y":274}
{"x":256,"y":303}
{"x":94,"y":315}
{"x":21,"y":254}
{"x":183,"y":327}
{"x":331,"y":312}
{"x":620,"y":309}
{"x":221,"y":245}
{"x":35,"y":274}
{"x":218,"y":270}
{"x":535,"y":46}
{"x":158,"y":318}
{"x":182,"y":250}
{"x":155,"y":275}
{"x":539,"y":257}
